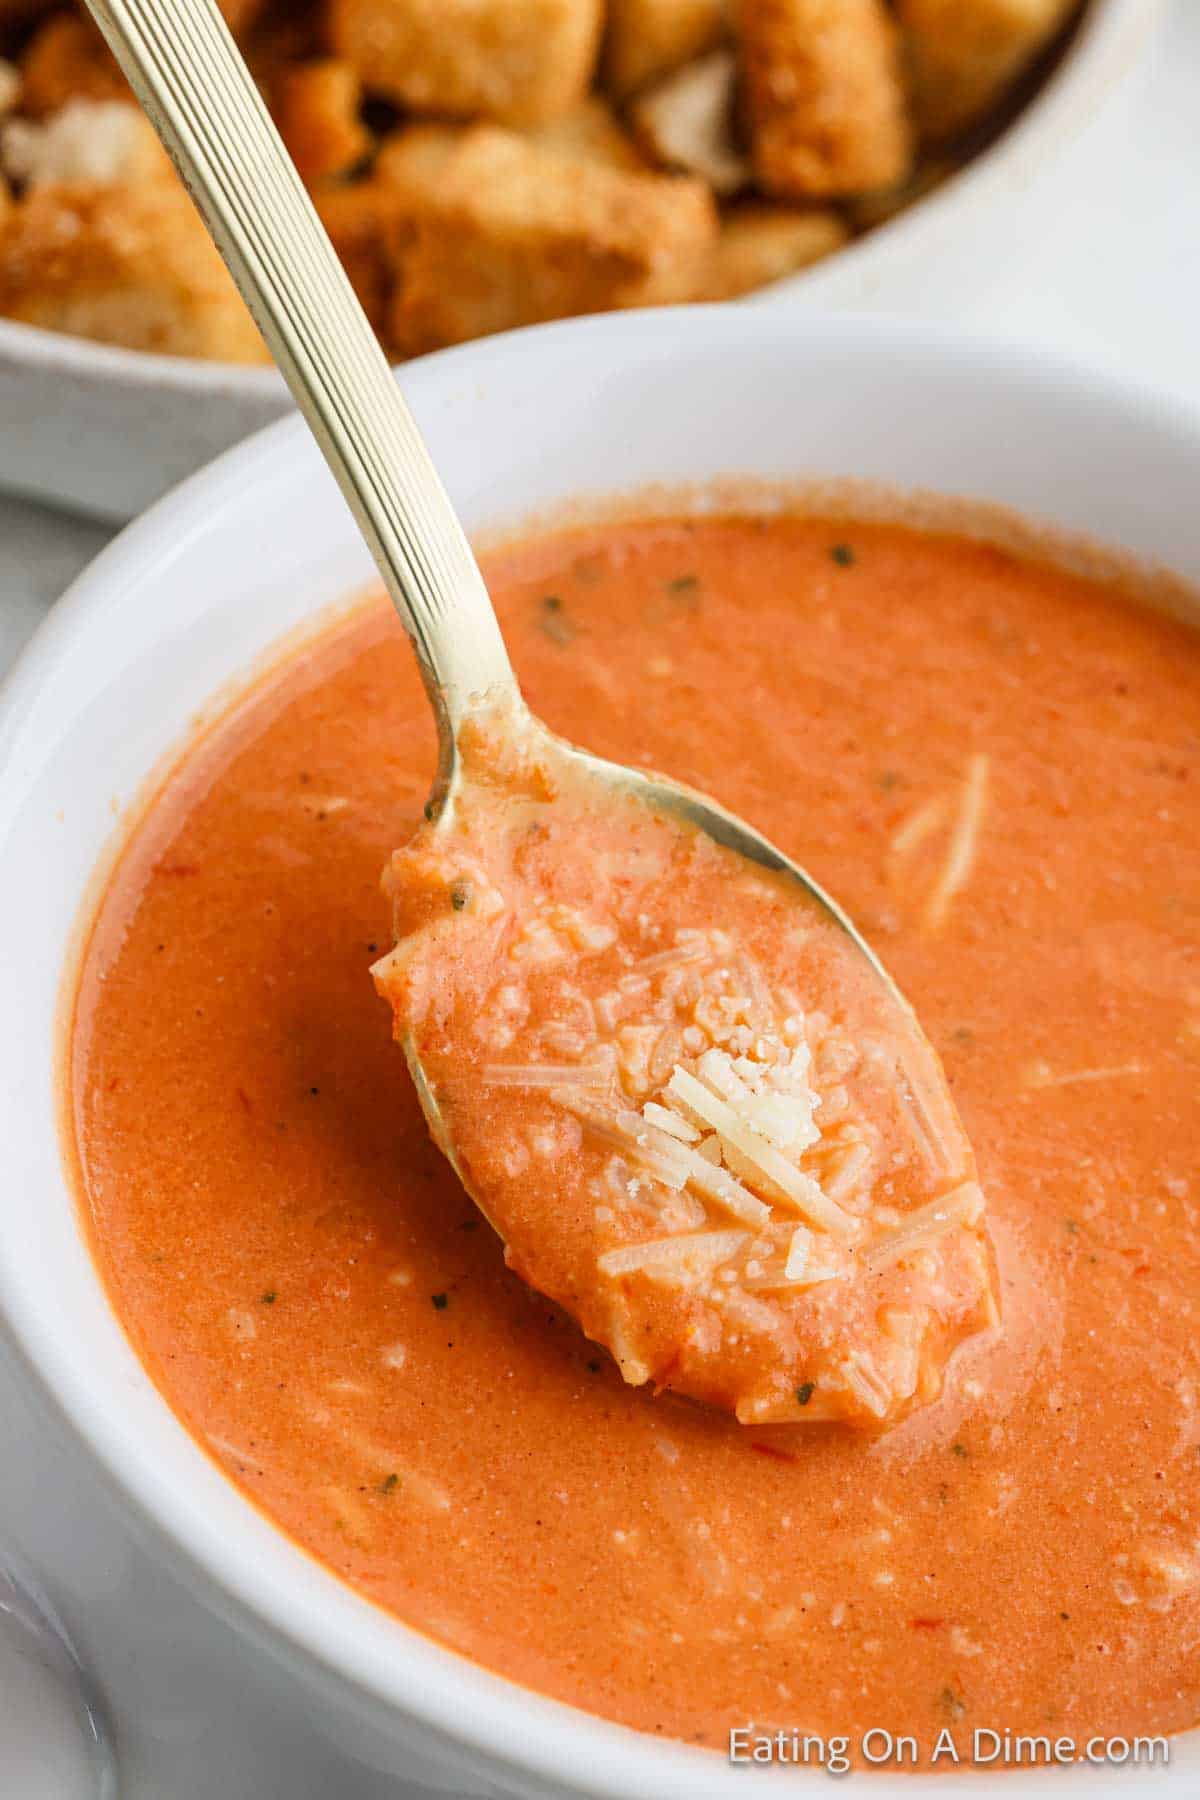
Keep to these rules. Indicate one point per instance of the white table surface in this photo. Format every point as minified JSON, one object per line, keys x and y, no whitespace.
{"x":1116,"y":281}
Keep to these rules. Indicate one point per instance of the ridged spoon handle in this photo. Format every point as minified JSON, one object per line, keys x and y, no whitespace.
{"x":189,"y":75}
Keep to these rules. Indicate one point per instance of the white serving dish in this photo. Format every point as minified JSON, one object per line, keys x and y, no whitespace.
{"x":181,"y":605}
{"x":106,"y":431}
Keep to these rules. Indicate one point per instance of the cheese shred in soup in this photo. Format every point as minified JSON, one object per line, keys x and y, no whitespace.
{"x":993,"y":764}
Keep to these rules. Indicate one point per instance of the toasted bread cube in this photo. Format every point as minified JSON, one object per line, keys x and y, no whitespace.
{"x":687,"y":122}
{"x":414,"y":157}
{"x":106,"y":143}
{"x":121,"y":256}
{"x":761,"y":243}
{"x":592,"y":132}
{"x":411,"y":162}
{"x":514,"y":233}
{"x":649,"y":39}
{"x":357,"y":216}
{"x":67,"y":59}
{"x":824,"y":96}
{"x":966,"y":54}
{"x":316,"y":109}
{"x":240,"y":15}
{"x":10,"y":88}
{"x":518,"y":61}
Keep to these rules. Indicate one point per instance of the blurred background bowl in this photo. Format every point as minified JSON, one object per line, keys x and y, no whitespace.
{"x":105,"y":431}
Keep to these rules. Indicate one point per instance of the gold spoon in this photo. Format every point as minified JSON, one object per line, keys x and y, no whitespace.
{"x":184,"y":66}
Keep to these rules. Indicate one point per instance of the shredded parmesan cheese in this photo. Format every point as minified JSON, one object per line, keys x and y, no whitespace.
{"x":548,"y":1075}
{"x":964,"y":843}
{"x":780,"y":1179}
{"x":1040,"y":1075}
{"x":963,"y":1206}
{"x":679,"y":1261}
{"x":919,"y":826}
{"x":671,"y":1122}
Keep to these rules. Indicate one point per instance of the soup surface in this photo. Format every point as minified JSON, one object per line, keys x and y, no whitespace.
{"x":993,"y":765}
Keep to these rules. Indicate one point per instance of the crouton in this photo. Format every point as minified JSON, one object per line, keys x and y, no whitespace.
{"x":411,"y":161}
{"x":514,"y":233}
{"x":760,"y":243}
{"x":10,"y":87}
{"x":316,"y":109}
{"x":824,"y":98}
{"x":108,"y":143}
{"x":687,"y":122}
{"x":124,"y":259}
{"x":240,"y":15}
{"x":517,"y":61}
{"x":966,"y":54}
{"x":67,"y":59}
{"x":280,"y":41}
{"x":592,"y":132}
{"x":357,"y":216}
{"x":649,"y":39}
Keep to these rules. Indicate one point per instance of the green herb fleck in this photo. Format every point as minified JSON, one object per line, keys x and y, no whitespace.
{"x":269,"y":1297}
{"x":460,"y":893}
{"x":428,"y":809}
{"x":804,"y":1392}
{"x":843,"y":555}
{"x":594,"y":1366}
{"x":959,"y":1449}
{"x":683,"y":584}
{"x":389,"y":1484}
{"x":440,"y":1301}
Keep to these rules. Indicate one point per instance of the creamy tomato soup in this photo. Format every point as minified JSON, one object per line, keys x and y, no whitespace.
{"x":694,"y":1110}
{"x":993,"y":765}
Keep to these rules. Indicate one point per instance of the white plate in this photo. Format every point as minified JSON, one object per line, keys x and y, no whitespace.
{"x":184,"y":602}
{"x":106,"y":431}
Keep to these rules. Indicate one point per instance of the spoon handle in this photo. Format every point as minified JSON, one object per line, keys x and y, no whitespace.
{"x":190,"y":77}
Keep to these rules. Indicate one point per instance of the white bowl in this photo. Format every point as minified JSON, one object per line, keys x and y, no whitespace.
{"x":106,"y":431}
{"x":186,"y":600}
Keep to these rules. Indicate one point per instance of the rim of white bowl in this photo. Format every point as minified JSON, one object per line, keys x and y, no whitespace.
{"x":1106,"y":43}
{"x":256,"y":1576}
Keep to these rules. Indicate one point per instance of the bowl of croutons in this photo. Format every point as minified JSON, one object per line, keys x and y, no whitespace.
{"x":482,"y":165}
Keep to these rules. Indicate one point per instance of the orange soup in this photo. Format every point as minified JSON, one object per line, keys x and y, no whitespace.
{"x":993,"y":765}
